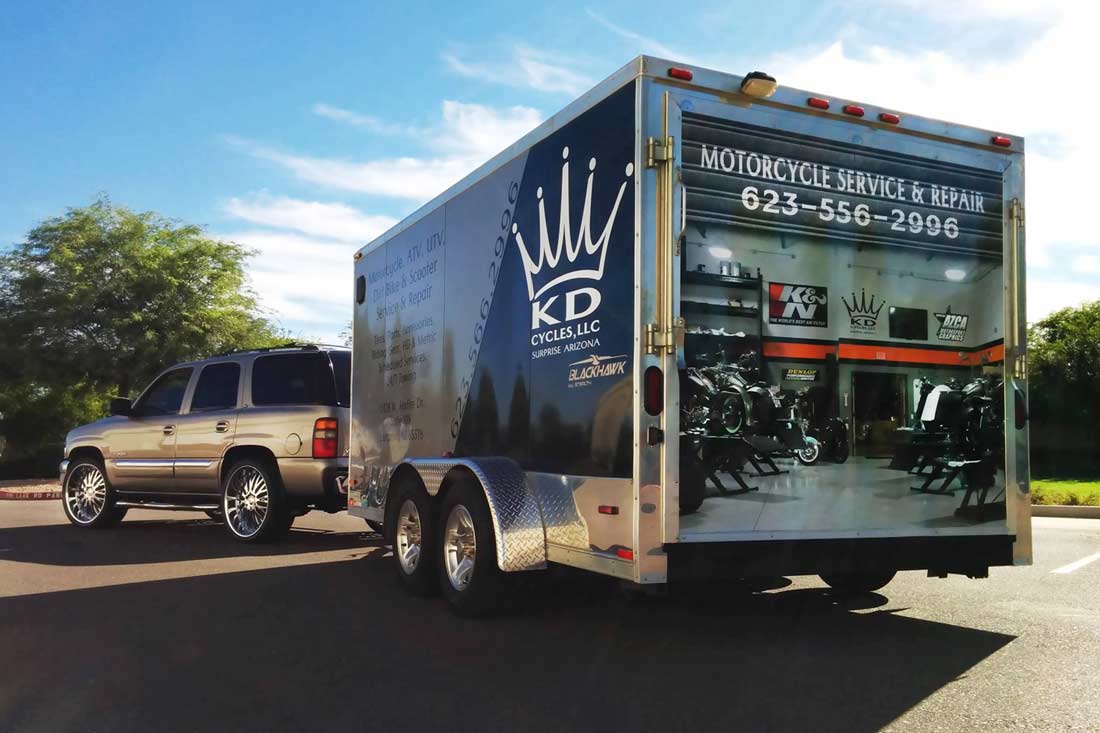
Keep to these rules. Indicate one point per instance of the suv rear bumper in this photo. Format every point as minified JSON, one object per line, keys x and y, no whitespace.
{"x":316,"y":479}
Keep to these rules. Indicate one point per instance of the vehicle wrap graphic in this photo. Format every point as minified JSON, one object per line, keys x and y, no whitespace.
{"x":553,"y":385}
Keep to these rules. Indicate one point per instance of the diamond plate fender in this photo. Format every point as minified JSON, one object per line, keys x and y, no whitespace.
{"x":517,"y":519}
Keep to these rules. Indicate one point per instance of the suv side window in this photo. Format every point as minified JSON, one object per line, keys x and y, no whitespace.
{"x":165,"y":396}
{"x":217,"y":387}
{"x":293,"y":379}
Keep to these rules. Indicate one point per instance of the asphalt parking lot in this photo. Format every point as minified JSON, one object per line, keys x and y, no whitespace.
{"x":165,"y":624}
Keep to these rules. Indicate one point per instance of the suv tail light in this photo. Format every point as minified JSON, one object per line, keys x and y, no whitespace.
{"x":326,"y":432}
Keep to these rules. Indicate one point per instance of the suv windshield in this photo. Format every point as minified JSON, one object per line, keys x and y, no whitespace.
{"x":294,"y":379}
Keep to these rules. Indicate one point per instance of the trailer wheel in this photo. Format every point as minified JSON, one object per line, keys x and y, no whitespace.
{"x":468,"y":573}
{"x":856,"y":583}
{"x":412,"y":533}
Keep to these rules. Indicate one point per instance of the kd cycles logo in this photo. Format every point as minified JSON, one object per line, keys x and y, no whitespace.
{"x":952,"y":325}
{"x":798,"y":305}
{"x":568,"y":261}
{"x":862,"y":313}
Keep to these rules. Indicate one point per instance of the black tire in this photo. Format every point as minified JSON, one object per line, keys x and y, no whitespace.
{"x":693,"y":486}
{"x":410,"y":530}
{"x":809,"y":455}
{"x":842,"y":451}
{"x":98,"y":510}
{"x":857,"y":583}
{"x":485,"y":589}
{"x":242,"y":517}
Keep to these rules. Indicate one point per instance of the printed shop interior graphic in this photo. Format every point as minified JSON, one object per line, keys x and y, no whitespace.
{"x":863,"y":289}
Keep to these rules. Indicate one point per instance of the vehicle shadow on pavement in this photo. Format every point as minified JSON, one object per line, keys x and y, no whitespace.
{"x":340,"y":646}
{"x":138,"y":541}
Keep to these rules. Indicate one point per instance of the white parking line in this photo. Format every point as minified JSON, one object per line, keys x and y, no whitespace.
{"x":1078,"y":564}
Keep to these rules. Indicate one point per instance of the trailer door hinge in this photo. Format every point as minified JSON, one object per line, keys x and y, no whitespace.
{"x":658,"y":339}
{"x":657,"y":151}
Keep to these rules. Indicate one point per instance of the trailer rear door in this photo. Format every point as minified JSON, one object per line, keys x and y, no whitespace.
{"x":848,"y":256}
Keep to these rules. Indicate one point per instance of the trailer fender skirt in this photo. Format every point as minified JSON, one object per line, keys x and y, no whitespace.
{"x":517,"y":519}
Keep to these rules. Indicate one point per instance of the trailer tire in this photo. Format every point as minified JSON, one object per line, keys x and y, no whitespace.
{"x":469,"y":577}
{"x":410,"y":529}
{"x":850,"y":584}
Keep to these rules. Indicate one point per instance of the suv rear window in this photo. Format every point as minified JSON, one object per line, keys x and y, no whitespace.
{"x":341,"y":367}
{"x":293,"y":379}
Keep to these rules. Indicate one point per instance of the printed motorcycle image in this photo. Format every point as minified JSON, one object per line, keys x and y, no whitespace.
{"x":820,"y":422}
{"x":729,"y":417}
{"x":959,"y":436}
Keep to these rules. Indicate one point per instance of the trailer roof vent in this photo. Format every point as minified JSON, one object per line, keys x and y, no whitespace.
{"x":759,"y":84}
{"x":683,"y":74}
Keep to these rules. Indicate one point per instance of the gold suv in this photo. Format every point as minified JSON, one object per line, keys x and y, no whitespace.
{"x":252,"y":438}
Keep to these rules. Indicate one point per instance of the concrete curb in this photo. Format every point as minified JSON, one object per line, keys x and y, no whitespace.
{"x":6,"y":495}
{"x":1063,"y":510}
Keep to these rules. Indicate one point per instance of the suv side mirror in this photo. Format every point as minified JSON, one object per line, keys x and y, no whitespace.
{"x":120,"y":406}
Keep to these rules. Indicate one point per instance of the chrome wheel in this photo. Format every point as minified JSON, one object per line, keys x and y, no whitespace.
{"x":86,"y":493}
{"x":809,"y":454}
{"x":459,"y":547}
{"x":247,"y":501}
{"x":409,"y":537}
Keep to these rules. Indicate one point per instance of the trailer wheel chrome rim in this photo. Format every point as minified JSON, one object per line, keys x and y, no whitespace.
{"x":809,"y":453}
{"x":247,"y":501}
{"x":459,"y":547}
{"x":410,"y":537}
{"x":86,"y":493}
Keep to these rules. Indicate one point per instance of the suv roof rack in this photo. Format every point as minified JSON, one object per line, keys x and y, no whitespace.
{"x":280,"y":347}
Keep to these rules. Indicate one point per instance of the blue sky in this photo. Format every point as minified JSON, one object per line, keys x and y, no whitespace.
{"x":305,"y":129}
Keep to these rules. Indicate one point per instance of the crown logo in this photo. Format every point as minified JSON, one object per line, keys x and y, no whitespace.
{"x":549,"y":254}
{"x":863,"y":312}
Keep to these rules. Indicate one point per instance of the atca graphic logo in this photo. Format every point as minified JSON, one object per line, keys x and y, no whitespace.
{"x":568,"y":259}
{"x":862,"y":314}
{"x":798,"y":305}
{"x":952,"y":325}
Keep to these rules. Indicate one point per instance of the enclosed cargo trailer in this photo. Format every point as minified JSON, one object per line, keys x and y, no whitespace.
{"x":697,"y":326}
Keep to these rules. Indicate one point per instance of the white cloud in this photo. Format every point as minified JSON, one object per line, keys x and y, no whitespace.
{"x":330,"y":220}
{"x":304,"y":282}
{"x":1087,"y":265}
{"x":527,"y":68}
{"x":466,"y":136}
{"x":1046,"y":295}
{"x":355,"y":119}
{"x":644,"y":44}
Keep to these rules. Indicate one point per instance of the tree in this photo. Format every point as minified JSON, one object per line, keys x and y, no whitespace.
{"x":1064,"y":391}
{"x":99,"y":300}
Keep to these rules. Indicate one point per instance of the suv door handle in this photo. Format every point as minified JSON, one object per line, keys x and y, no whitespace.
{"x":222,"y":426}
{"x":169,"y":429}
